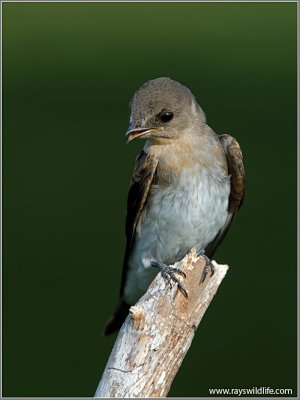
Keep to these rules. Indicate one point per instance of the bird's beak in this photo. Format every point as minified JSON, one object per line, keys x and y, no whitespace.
{"x":139,"y":132}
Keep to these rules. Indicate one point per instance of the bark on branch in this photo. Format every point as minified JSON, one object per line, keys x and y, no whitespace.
{"x":158,"y":332}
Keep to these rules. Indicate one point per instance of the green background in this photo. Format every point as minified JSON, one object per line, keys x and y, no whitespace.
{"x":69,"y":71}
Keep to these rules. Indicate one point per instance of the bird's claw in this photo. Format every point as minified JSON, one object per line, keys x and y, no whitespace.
{"x":209,"y":266}
{"x":169,"y":274}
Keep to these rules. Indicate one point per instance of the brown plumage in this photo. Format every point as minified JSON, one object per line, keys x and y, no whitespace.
{"x":236,"y":171}
{"x":147,"y":177}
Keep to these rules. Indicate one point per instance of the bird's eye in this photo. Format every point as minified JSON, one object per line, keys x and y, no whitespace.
{"x":166,"y":116}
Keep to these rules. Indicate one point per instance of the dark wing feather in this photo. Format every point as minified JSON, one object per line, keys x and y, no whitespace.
{"x":143,"y":174}
{"x":235,"y":164}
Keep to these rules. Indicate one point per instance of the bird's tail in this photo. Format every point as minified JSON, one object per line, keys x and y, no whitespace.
{"x":116,"y":320}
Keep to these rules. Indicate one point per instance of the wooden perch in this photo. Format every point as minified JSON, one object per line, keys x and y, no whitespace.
{"x":158,"y":332}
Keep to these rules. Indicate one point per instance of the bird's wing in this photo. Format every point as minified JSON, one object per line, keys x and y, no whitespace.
{"x":142,"y":179}
{"x":235,"y":164}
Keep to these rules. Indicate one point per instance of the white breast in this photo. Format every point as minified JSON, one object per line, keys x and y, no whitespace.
{"x":189,"y":213}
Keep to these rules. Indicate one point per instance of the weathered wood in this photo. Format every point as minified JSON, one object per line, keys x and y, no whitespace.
{"x":157,"y":334}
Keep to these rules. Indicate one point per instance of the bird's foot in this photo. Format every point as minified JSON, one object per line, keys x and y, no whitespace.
{"x":209,"y":266}
{"x":169,"y":274}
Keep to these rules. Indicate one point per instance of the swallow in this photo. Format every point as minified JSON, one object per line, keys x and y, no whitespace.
{"x":187,"y":186}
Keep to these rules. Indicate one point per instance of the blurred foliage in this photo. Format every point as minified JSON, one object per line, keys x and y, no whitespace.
{"x":69,"y":71}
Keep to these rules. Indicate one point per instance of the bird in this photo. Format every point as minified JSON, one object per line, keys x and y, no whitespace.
{"x":188,"y":184}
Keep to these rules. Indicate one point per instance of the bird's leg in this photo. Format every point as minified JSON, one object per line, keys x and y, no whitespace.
{"x":168,"y":274}
{"x":209,"y":266}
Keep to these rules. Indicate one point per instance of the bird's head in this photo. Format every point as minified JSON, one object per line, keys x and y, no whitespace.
{"x":163,"y":110}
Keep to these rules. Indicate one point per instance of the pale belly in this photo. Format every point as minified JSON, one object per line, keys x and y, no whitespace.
{"x":182,"y":216}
